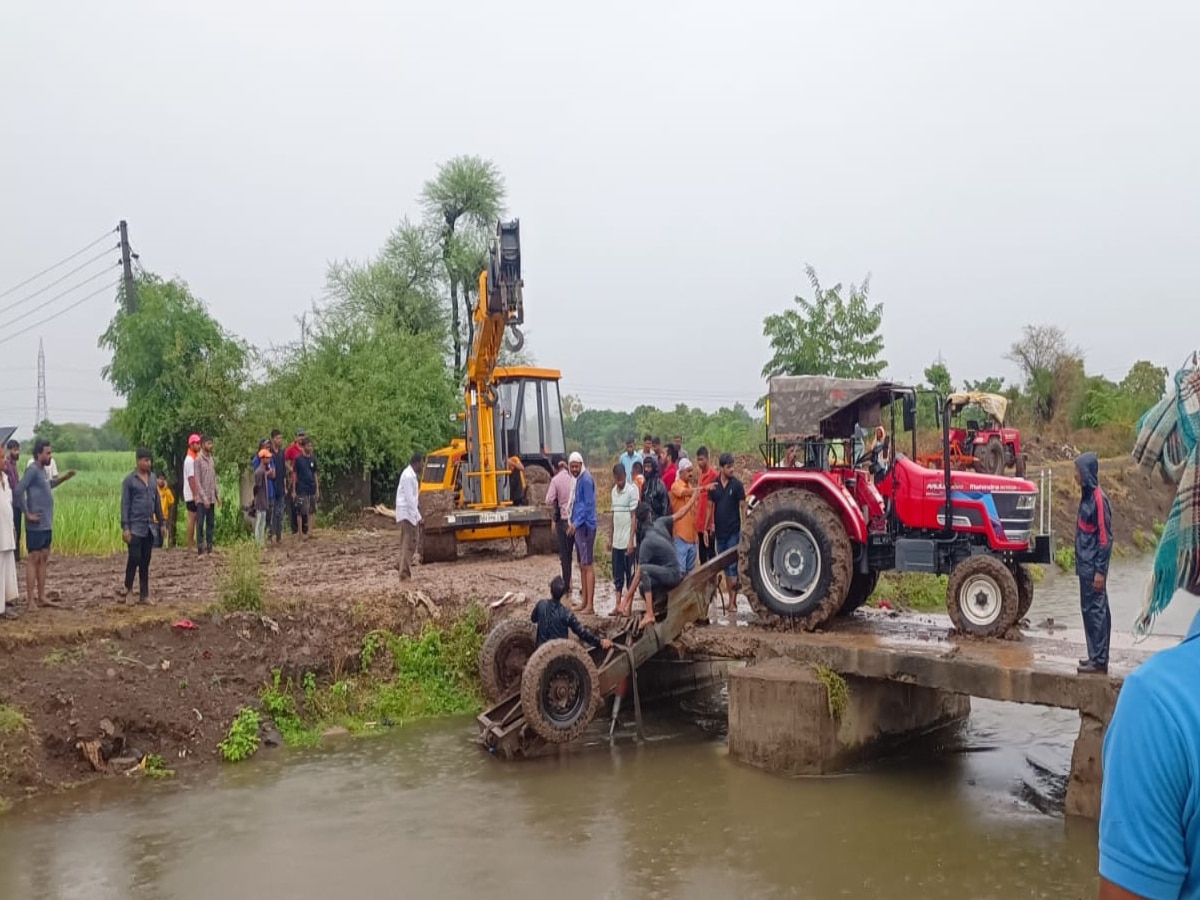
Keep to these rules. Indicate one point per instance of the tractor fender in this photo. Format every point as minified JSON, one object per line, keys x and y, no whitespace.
{"x":831,"y":492}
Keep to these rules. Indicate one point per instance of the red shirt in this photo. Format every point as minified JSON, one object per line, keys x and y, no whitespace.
{"x":669,"y":473}
{"x":290,"y":454}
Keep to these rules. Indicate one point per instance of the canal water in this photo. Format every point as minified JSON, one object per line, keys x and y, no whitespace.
{"x":422,"y":812}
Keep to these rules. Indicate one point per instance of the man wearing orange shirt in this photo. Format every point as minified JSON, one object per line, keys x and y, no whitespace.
{"x":685,"y":521}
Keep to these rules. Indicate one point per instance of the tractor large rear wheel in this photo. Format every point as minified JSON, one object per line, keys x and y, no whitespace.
{"x":797,"y":559}
{"x":982,"y":597}
{"x":439,"y":546}
{"x":506,"y":651}
{"x":862,"y":585}
{"x":560,"y":691}
{"x":541,"y":540}
{"x":989,"y":459}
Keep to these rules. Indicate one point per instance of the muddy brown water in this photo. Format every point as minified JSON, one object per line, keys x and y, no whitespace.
{"x":422,"y":812}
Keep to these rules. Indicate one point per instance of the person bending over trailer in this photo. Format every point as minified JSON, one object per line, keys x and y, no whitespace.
{"x":658,"y":568}
{"x":553,"y":619}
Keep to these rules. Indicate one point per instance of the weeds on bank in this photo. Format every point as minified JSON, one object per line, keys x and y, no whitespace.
{"x":837,"y":691}
{"x":1064,"y":558}
{"x":12,"y":720}
{"x":402,"y":677}
{"x":241,"y":584}
{"x":57,"y":658}
{"x":911,"y":590}
{"x":242,"y":740}
{"x":156,"y":767}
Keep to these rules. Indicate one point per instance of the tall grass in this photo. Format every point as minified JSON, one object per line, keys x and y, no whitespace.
{"x":87,"y":509}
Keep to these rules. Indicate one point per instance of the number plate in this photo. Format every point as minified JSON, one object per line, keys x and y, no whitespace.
{"x":492,"y":518}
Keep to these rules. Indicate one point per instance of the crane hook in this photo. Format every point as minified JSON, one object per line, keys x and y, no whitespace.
{"x":514,"y":343}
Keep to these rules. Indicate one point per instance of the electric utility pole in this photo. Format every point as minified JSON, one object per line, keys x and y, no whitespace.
{"x":127,"y":262}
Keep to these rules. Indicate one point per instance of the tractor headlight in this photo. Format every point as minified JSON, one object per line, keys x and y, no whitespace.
{"x":1026,"y":501}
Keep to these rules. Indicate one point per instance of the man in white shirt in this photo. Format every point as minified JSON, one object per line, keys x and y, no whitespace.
{"x":625,"y":495}
{"x":189,"y":486}
{"x":408,"y":513}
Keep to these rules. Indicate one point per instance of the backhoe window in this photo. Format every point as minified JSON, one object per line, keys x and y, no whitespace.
{"x":435,"y":470}
{"x":555,"y":441}
{"x":530,"y":426}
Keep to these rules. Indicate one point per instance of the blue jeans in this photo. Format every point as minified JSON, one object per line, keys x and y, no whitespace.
{"x":728,"y":543}
{"x":685,"y":552}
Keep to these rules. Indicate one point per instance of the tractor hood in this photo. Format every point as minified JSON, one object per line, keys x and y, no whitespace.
{"x":974,"y":483}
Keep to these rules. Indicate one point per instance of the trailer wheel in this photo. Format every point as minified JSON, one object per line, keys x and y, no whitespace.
{"x":982,"y":597}
{"x":439,"y":546}
{"x":797,"y":559}
{"x":861,"y":587}
{"x":506,"y":651}
{"x":1024,"y":577}
{"x":560,"y":691}
{"x":989,"y":459}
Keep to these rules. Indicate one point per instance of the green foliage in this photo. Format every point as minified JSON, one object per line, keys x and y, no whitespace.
{"x":12,"y":720}
{"x":827,"y":335}
{"x":937,"y":378}
{"x":178,"y":370}
{"x":1052,"y":369}
{"x":242,"y":740}
{"x":1144,"y":384}
{"x":278,"y":703}
{"x":837,"y":691}
{"x":79,"y":437}
{"x":156,"y":767}
{"x":989,"y":385}
{"x":601,"y":433}
{"x":241,"y":582}
{"x":1064,"y":558}
{"x":371,"y":393}
{"x":911,"y":590}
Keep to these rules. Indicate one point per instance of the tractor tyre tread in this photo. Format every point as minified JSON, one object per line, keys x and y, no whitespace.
{"x":495,"y":661}
{"x":541,"y":540}
{"x":1009,"y":598}
{"x":1024,"y":576}
{"x":862,"y":585}
{"x":438,"y":546}
{"x":827,"y":528}
{"x":544,"y":657}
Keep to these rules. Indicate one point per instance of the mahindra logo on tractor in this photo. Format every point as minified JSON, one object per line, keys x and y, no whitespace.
{"x":937,"y":487}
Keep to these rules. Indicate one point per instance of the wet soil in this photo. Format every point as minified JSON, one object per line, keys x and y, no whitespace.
{"x":93,"y":668}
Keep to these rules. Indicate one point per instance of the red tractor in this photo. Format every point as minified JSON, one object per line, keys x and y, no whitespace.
{"x":821,"y":529}
{"x":981,"y":442}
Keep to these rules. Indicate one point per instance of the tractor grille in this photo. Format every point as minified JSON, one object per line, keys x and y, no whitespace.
{"x":1017,"y":511}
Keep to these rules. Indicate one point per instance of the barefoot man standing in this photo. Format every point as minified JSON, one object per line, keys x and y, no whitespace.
{"x":37,"y":499}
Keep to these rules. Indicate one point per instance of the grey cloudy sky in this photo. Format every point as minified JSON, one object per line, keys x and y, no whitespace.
{"x":674,"y":165}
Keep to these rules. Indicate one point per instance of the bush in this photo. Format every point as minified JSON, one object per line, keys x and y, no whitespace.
{"x":242,"y":740}
{"x":241,"y":584}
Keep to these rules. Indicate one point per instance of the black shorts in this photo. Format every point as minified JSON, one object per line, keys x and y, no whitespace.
{"x":191,"y":506}
{"x":38,"y":540}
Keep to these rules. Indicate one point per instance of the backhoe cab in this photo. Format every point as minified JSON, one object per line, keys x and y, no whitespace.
{"x":850,"y":505}
{"x":512,"y":422}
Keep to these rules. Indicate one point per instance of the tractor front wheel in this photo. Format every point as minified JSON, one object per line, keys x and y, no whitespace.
{"x":560,"y":691}
{"x":1024,"y":577}
{"x":797,"y":559}
{"x":506,"y":651}
{"x":982,"y":597}
{"x":862,"y":585}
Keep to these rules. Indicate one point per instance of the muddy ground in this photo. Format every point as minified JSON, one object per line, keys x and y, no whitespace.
{"x":173,"y":692}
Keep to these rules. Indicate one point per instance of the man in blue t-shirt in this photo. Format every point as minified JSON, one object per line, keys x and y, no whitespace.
{"x":583,"y":530}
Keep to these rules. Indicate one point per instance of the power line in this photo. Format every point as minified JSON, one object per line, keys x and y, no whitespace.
{"x":79,"y":252}
{"x":58,"y":280}
{"x":69,"y":290}
{"x":63,"y":311}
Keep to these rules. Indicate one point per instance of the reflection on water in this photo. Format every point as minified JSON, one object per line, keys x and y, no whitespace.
{"x":422,"y":812}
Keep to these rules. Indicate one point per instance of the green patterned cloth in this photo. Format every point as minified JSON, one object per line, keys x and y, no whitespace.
{"x":1167,"y":441}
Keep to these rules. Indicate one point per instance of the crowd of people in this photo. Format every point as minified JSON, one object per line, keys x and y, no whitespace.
{"x":285,"y":479}
{"x":669,"y":514}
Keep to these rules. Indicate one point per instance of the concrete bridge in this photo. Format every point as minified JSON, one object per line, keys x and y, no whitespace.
{"x":904,"y":675}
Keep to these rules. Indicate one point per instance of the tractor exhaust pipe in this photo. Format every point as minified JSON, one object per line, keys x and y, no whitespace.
{"x":949,"y":523}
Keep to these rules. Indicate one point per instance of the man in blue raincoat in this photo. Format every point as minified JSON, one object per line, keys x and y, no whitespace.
{"x":1093,"y":549}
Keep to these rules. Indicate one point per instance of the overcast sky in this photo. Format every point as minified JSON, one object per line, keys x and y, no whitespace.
{"x":674,"y":165}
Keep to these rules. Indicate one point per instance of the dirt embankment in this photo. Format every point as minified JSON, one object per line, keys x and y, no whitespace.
{"x":70,"y":674}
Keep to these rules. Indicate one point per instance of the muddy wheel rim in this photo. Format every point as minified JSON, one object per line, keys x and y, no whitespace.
{"x":980,"y":600}
{"x":510,"y":662}
{"x":790,"y":563}
{"x":564,"y":692}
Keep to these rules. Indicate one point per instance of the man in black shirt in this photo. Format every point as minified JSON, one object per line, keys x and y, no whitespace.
{"x":658,"y":568}
{"x":278,"y":487}
{"x":141,"y":517}
{"x":654,"y":494}
{"x":307,"y":488}
{"x":553,"y":619}
{"x":728,"y":499}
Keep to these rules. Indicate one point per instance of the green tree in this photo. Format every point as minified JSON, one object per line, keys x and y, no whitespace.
{"x":990,"y":385}
{"x":177,"y":369}
{"x":369,"y":392}
{"x":827,"y":335}
{"x":937,"y":377}
{"x":1145,"y":384}
{"x":1052,"y":369}
{"x":400,"y":286}
{"x":462,"y":203}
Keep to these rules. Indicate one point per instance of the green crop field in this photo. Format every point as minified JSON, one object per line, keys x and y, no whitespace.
{"x":87,"y":509}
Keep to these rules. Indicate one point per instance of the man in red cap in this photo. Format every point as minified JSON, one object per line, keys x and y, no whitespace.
{"x":189,"y":485}
{"x":289,"y":457}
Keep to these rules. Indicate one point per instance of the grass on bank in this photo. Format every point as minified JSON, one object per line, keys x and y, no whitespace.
{"x":12,"y":720}
{"x":242,"y":579}
{"x":401,"y":678}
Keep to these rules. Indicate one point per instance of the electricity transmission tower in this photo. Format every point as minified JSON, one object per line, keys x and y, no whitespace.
{"x":43,"y":411}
